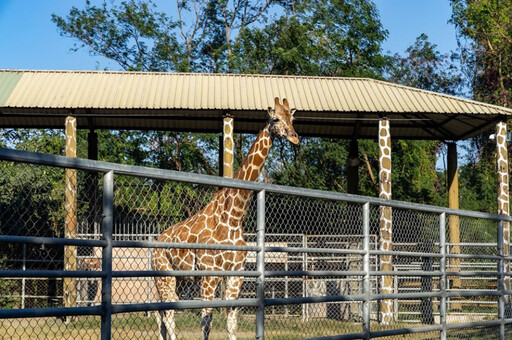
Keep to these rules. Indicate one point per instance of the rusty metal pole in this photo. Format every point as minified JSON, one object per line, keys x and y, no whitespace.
{"x":70,"y":220}
{"x":453,"y":221}
{"x":353,"y":168}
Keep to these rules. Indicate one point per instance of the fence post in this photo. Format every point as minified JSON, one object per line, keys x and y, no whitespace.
{"x":366,"y":269}
{"x":260,"y":265}
{"x":107,"y":223}
{"x":501,"y":280}
{"x":443,"y":279}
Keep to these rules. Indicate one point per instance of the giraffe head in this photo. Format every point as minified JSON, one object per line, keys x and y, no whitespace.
{"x":281,"y":121}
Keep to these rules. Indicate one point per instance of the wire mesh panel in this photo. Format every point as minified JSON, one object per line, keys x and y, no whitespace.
{"x":33,"y":204}
{"x":329,"y":268}
{"x":167,"y":211}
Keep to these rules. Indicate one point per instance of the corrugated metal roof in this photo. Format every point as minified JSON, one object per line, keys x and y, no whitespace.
{"x":326,"y":106}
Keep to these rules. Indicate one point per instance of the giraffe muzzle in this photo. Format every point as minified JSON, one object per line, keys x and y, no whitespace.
{"x":293,"y":138}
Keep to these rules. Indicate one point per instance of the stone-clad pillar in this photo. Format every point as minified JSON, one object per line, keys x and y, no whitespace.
{"x":385,"y":224}
{"x":503,"y":189}
{"x":70,"y":219}
{"x":228,"y":142}
{"x":228,"y":158}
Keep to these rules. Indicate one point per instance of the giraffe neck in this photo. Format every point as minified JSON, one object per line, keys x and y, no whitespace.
{"x":236,"y":201}
{"x":255,"y":160}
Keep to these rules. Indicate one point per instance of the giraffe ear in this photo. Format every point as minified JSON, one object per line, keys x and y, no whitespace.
{"x":278,"y":107}
{"x":285,"y":104}
{"x":292,"y":111}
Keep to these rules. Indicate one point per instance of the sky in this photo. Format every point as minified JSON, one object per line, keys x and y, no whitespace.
{"x":30,"y":40}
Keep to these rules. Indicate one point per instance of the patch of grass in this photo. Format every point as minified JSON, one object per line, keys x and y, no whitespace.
{"x":139,"y":326}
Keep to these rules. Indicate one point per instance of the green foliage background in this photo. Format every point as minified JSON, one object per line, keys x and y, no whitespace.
{"x":294,"y":37}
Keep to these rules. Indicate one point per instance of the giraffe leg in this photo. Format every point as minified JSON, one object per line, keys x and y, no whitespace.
{"x":166,"y":287}
{"x":165,"y":319}
{"x":233,"y":286}
{"x":208,"y":287}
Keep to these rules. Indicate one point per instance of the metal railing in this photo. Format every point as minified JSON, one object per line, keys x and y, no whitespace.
{"x":367,"y":297}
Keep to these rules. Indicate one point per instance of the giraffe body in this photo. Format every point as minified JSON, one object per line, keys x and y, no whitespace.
{"x":219,"y":222}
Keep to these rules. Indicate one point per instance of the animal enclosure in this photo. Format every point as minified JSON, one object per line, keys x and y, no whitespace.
{"x":320,"y":260}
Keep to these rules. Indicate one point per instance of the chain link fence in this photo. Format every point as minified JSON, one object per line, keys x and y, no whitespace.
{"x":323,"y":262}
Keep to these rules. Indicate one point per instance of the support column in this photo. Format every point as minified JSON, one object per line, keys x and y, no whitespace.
{"x":92,"y":184}
{"x":453,"y":221}
{"x":385,"y":224}
{"x":353,"y":168}
{"x":228,"y":146}
{"x":227,"y":171}
{"x":70,"y":220}
{"x":503,"y":190}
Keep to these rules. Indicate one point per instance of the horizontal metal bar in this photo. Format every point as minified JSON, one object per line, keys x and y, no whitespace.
{"x":432,"y":273}
{"x":473,"y":256}
{"x":405,"y":253}
{"x":52,"y":273}
{"x":47,"y":312}
{"x":313,"y":299}
{"x":418,"y":295}
{"x":435,"y":255}
{"x":314,"y":250}
{"x":193,"y":304}
{"x":405,"y":273}
{"x":473,"y":293}
{"x":51,"y":241}
{"x":182,"y":273}
{"x":312,"y":273}
{"x":99,"y":166}
{"x":175,"y":245}
{"x":198,"y":273}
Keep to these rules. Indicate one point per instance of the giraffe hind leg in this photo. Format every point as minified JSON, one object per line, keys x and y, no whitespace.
{"x":233,"y":286}
{"x":166,"y":287}
{"x":165,"y":319}
{"x":208,"y":286}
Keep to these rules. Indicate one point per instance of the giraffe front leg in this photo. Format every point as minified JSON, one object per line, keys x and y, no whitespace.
{"x":165,"y":319}
{"x":208,"y":287}
{"x":233,"y":286}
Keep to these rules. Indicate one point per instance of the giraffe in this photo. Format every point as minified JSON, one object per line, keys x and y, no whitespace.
{"x":386,"y":232}
{"x":219,"y":222}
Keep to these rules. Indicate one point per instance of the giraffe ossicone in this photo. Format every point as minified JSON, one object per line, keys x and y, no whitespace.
{"x":219,"y":222}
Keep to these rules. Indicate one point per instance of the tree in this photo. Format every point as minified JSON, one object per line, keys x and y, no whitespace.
{"x":484,"y":33}
{"x":426,"y":68}
{"x":140,"y":38}
{"x":320,"y":38}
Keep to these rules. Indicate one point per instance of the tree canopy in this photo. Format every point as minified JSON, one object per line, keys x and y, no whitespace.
{"x":295,"y":37}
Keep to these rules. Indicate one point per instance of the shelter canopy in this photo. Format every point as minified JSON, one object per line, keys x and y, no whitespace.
{"x":326,"y":106}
